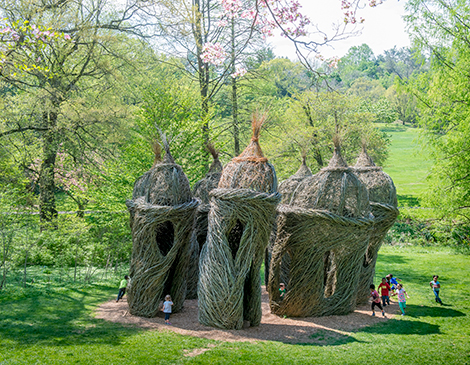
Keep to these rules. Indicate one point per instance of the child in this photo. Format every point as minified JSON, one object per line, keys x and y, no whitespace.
{"x":401,"y":298}
{"x":122,"y":288}
{"x":167,"y":308}
{"x":383,"y":289}
{"x":282,"y":290}
{"x":435,"y":286}
{"x":375,"y":300}
{"x":392,"y":281}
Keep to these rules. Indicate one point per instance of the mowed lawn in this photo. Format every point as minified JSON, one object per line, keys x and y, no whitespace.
{"x":406,"y":165}
{"x":52,"y":324}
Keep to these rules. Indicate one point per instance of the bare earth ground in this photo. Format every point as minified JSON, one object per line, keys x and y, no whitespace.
{"x":272,"y":327}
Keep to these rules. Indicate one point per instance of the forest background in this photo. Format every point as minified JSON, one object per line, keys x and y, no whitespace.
{"x":84,"y":84}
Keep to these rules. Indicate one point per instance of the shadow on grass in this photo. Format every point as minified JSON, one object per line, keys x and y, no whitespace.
{"x":402,"y":327}
{"x":408,"y":201}
{"x":393,"y":128}
{"x":395,"y":259}
{"x":443,"y":311}
{"x":59,"y":318}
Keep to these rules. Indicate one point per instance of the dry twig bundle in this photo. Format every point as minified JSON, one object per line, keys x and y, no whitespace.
{"x":201,"y":191}
{"x":383,"y":201}
{"x":240,"y":220}
{"x":161,"y":218}
{"x":324,"y":229}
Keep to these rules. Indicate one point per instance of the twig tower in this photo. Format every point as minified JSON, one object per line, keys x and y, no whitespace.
{"x":324,"y":229}
{"x":383,"y":204}
{"x":161,"y":218}
{"x":240,"y":219}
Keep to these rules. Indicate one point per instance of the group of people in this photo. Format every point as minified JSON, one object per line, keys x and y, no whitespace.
{"x":390,"y":286}
{"x":166,"y":306}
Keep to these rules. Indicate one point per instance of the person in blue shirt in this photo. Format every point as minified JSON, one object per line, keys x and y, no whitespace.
{"x":393,"y":282}
{"x":436,"y":286}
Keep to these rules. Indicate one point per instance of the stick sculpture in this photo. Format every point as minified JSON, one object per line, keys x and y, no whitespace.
{"x":161,"y":218}
{"x":324,"y":229}
{"x":383,"y":202}
{"x":286,"y":189}
{"x":240,"y":221}
{"x":201,"y":191}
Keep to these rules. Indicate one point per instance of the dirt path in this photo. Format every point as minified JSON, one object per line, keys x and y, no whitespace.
{"x":272,"y":327}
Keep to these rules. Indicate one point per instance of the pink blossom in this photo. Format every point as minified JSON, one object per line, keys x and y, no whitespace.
{"x":239,"y":72}
{"x":213,"y":53}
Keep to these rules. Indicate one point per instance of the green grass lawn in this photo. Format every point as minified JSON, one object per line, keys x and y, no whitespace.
{"x":49,"y":323}
{"x":406,"y":165}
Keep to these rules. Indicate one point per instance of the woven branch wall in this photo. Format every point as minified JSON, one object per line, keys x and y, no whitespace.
{"x":161,"y":217}
{"x":286,"y":189}
{"x":326,"y":252}
{"x":201,"y":191}
{"x":229,"y":291}
{"x":324,"y":231}
{"x":383,"y":200}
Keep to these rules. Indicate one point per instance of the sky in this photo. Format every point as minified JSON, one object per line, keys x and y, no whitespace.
{"x":382,"y":29}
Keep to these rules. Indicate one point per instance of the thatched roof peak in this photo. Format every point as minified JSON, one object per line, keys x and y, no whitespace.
{"x":157,"y":150}
{"x":364,"y":161}
{"x":216,"y":166}
{"x":337,"y":161}
{"x":253,"y":151}
{"x":166,"y":146}
{"x":304,"y":170}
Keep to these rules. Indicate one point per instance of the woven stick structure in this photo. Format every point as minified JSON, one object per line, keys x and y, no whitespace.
{"x":161,"y":218}
{"x":286,"y":189}
{"x":383,"y":201}
{"x":325,"y":230}
{"x":240,"y":221}
{"x":201,"y":191}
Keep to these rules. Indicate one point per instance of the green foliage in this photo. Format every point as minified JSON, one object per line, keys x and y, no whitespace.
{"x":309,"y":124}
{"x":382,"y":110}
{"x":430,"y":233}
{"x":442,"y":29}
{"x":172,"y":103}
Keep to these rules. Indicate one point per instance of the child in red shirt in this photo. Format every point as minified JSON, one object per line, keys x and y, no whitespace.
{"x":384,"y":289}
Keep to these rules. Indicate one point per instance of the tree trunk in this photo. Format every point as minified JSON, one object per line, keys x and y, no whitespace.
{"x":236,"y":130}
{"x":76,"y":261}
{"x":203,"y":72}
{"x":47,"y":203}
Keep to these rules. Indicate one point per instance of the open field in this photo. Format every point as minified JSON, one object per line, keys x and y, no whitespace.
{"x":406,"y":164}
{"x":54,"y":323}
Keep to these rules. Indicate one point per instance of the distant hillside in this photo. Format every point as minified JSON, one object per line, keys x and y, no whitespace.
{"x":406,"y":164}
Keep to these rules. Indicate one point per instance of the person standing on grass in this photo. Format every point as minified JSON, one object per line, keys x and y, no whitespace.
{"x":122,"y":288}
{"x":400,"y":292}
{"x":384,"y":290}
{"x":375,"y":300}
{"x":436,"y":286}
{"x":167,"y":308}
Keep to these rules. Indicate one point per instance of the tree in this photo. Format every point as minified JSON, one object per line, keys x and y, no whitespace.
{"x":403,"y":102}
{"x":440,"y":28}
{"x":51,"y":52}
{"x":310,"y":123}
